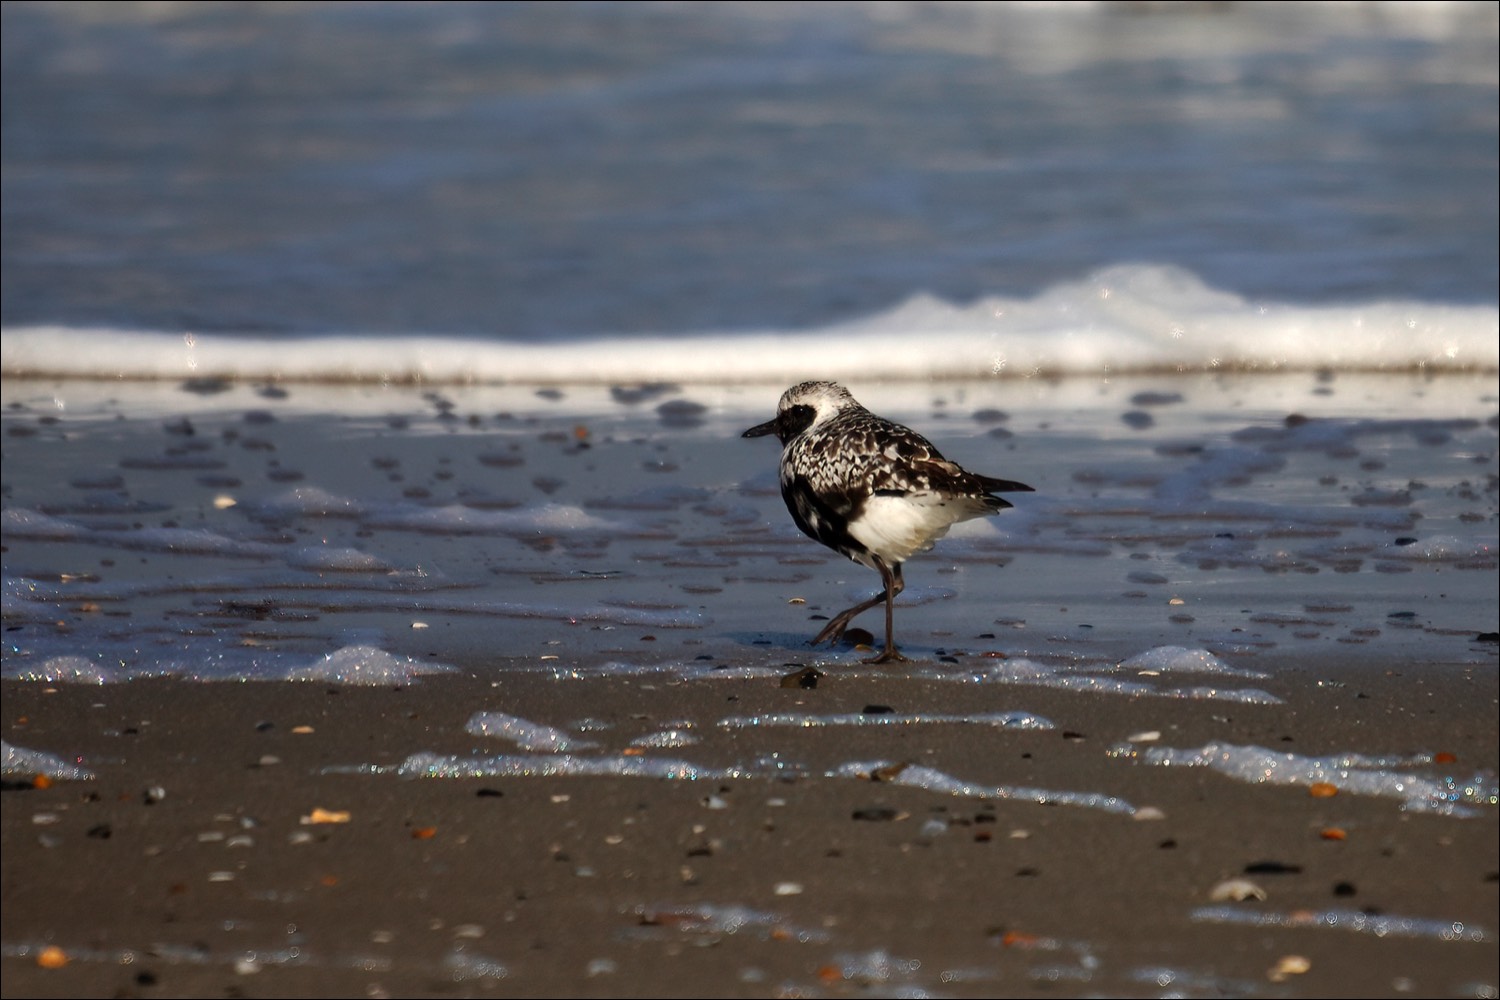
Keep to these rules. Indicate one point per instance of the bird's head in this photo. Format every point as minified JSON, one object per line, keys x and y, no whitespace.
{"x":803,"y":406}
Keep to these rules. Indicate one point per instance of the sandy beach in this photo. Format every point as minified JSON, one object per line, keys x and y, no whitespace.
{"x":506,"y":691}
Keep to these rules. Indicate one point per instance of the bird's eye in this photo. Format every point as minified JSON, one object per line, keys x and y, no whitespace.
{"x":797,"y":418}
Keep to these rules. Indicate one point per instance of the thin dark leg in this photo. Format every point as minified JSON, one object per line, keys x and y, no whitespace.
{"x":893,"y":586}
{"x":834,"y":630}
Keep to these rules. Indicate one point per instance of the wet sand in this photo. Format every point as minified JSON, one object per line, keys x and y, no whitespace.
{"x":189,"y":865}
{"x":986,"y":820}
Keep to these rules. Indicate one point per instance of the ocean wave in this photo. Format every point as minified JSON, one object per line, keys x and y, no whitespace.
{"x":1136,"y":318}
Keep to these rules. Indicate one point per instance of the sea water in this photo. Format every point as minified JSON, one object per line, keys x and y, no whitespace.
{"x":605,"y":192}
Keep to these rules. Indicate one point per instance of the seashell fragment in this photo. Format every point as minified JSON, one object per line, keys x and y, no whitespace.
{"x":1287,"y":966}
{"x":1236,"y":890}
{"x":321,"y":815}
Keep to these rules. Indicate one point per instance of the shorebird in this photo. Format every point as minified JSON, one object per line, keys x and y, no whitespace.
{"x":870,"y":489}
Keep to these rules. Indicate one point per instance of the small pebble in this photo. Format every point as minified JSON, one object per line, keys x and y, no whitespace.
{"x":1236,"y":890}
{"x":321,"y":815}
{"x":1287,"y":966}
{"x":52,"y":957}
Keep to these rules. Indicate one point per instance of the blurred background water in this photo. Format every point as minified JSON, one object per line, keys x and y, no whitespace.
{"x":544,"y":173}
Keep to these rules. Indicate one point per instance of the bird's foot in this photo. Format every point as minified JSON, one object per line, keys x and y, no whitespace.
{"x":888,"y":655}
{"x":833,"y":632}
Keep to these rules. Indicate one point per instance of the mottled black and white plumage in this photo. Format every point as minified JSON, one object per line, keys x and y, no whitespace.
{"x":870,"y":489}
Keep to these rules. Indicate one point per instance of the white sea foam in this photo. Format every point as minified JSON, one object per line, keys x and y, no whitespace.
{"x":365,"y":665}
{"x":23,"y":523}
{"x":667,"y":739}
{"x":549,"y":765}
{"x":532,"y":736}
{"x":1352,"y":773}
{"x":1442,"y":548}
{"x":339,"y":560}
{"x":809,"y":720}
{"x":933,"y":780}
{"x":723,"y":918}
{"x":20,"y":760}
{"x":70,"y":670}
{"x":1101,"y":677}
{"x":1356,"y":921}
{"x":458,"y":519}
{"x":1176,"y":659}
{"x":1127,"y":318}
{"x":309,"y":501}
{"x":432,"y":765}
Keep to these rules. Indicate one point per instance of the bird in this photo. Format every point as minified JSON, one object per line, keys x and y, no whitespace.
{"x":870,"y":489}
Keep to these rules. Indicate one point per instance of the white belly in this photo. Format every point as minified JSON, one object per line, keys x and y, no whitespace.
{"x":897,"y":527}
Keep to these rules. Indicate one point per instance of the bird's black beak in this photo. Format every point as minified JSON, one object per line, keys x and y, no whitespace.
{"x":761,"y":430}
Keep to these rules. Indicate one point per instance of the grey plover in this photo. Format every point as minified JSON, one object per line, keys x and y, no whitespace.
{"x":871,"y":489}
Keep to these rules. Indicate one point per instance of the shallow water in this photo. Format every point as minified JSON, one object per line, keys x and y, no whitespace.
{"x":239,"y":536}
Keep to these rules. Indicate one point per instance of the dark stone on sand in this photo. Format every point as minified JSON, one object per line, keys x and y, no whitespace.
{"x":806,"y":678}
{"x":1271,"y":868}
{"x":875,"y":814}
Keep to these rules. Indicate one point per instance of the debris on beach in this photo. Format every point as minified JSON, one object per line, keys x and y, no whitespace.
{"x":321,"y":815}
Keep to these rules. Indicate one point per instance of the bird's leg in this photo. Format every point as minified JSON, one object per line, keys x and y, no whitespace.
{"x":834,"y":630}
{"x":893,"y":586}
